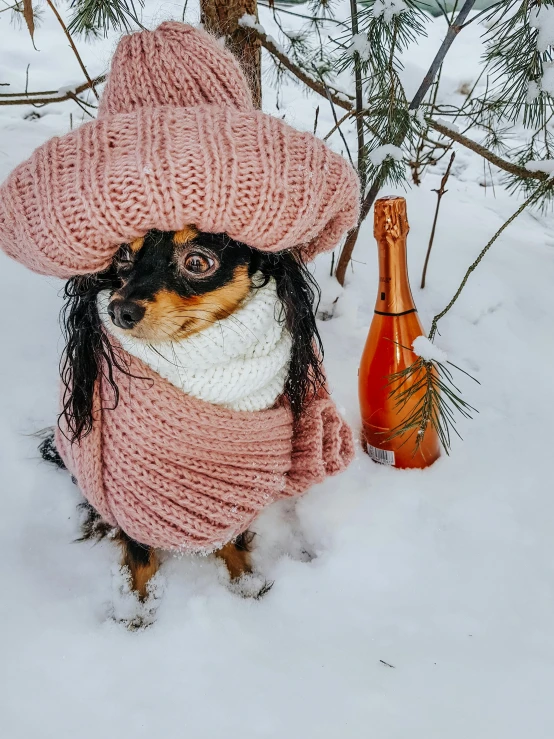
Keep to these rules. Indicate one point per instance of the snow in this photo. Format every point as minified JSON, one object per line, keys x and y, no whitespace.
{"x":547,"y":79}
{"x":380,"y":153}
{"x":427,"y":350}
{"x":250,"y":21}
{"x":388,"y":9}
{"x":533,"y":91}
{"x":446,"y":574}
{"x":542,"y":18}
{"x":448,"y":124}
{"x":360,"y":43}
{"x":543,"y":165}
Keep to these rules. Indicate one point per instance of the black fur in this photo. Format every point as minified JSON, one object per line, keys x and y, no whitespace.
{"x":49,"y":453}
{"x":88,"y":350}
{"x":93,"y":527}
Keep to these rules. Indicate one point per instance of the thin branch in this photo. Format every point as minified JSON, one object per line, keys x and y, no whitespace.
{"x":72,"y":44}
{"x":81,"y":104}
{"x":313,"y":18}
{"x":486,"y":11}
{"x":453,"y":31}
{"x":337,"y":122}
{"x":359,"y":101}
{"x":316,"y":120}
{"x":440,"y":192}
{"x":505,"y":225}
{"x":341,"y":99}
{"x":48,"y":96}
{"x":513,"y":169}
{"x":332,"y":131}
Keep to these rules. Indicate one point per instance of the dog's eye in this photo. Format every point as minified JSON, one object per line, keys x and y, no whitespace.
{"x":197,"y":263}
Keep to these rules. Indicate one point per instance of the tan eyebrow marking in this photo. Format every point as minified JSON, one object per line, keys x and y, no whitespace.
{"x":136,"y":244}
{"x":186,"y":234}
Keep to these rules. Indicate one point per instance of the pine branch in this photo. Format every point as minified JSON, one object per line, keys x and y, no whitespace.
{"x":47,"y":96}
{"x":339,"y":99}
{"x":93,"y":16}
{"x":427,"y":391}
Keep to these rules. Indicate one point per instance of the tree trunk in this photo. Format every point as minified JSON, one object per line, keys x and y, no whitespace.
{"x":221,"y":17}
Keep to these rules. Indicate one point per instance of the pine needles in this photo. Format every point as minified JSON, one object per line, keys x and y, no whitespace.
{"x":426,"y":390}
{"x":91,"y":16}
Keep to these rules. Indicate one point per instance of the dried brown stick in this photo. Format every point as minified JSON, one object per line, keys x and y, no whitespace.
{"x":47,"y":96}
{"x":440,"y":192}
{"x":72,"y":44}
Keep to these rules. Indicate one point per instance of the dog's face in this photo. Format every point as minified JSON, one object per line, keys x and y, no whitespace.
{"x":175,"y":284}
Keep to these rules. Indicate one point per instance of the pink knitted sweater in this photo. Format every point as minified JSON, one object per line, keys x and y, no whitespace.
{"x":179,"y":473}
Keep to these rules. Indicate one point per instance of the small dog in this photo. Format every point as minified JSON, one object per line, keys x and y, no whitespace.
{"x":166,"y":287}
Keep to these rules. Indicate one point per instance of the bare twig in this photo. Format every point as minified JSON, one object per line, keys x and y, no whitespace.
{"x":47,"y":96}
{"x":332,"y":131}
{"x":541,"y":188}
{"x":316,"y":119}
{"x":72,"y":44}
{"x":440,"y":192}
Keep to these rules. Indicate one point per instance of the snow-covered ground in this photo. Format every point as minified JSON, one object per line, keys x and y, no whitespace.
{"x":428,"y":609}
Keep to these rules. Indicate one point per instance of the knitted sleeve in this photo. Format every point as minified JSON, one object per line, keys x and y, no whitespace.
{"x":322,"y":445}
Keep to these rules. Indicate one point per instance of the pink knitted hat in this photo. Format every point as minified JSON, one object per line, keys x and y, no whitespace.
{"x":177,"y":142}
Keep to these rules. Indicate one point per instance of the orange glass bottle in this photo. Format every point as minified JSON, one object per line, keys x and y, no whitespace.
{"x":394,"y":327}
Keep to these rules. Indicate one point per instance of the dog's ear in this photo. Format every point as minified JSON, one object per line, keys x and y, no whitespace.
{"x":87,"y":351}
{"x":299,"y":295}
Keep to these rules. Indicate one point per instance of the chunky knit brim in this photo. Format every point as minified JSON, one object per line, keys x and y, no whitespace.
{"x":177,"y":142}
{"x":66,"y":210}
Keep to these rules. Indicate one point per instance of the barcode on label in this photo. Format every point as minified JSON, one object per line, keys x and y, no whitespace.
{"x":380,"y":455}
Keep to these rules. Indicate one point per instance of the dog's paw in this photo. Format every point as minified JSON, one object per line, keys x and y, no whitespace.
{"x":252,"y":585}
{"x":127,"y":608}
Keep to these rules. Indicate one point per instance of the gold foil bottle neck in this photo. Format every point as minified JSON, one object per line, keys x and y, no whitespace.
{"x":390,"y":228}
{"x":390,"y":218}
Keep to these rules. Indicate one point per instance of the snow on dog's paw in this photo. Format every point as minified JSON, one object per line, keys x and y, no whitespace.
{"x":252,"y":585}
{"x":127,"y":608}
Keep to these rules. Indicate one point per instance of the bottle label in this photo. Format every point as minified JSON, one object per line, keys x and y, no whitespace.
{"x":383,"y":456}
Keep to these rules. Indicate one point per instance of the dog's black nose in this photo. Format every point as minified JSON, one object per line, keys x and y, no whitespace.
{"x":125,"y":313}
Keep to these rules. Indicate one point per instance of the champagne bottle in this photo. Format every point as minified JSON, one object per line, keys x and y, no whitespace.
{"x":388,"y":350}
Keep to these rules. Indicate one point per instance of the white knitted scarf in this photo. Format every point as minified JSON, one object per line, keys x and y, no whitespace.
{"x":239,"y":362}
